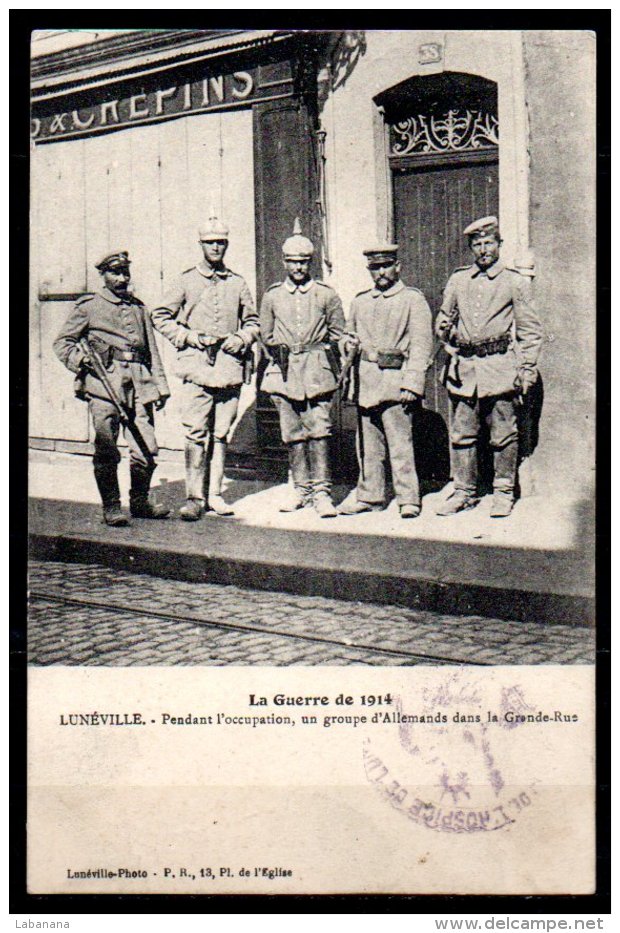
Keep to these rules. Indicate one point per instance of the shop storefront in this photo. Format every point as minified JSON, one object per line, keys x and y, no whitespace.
{"x":398,"y":135}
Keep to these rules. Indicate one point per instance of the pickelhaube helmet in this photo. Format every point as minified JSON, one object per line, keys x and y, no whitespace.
{"x":212,"y":229}
{"x":297,"y":246}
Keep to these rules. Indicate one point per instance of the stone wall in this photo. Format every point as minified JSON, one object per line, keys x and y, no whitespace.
{"x":560,"y":97}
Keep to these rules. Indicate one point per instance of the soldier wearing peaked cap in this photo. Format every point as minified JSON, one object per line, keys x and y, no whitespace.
{"x":390,"y":327}
{"x":300,"y":319}
{"x":493,"y":337}
{"x":119,"y":330}
{"x":208,"y":314}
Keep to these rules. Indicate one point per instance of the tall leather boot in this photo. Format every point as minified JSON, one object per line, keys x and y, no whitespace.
{"x":139,"y":504}
{"x":465,"y":465}
{"x":106,"y":477}
{"x":300,"y":471}
{"x":216,"y":477}
{"x":504,"y":479}
{"x":195,"y":465}
{"x":321,"y":477}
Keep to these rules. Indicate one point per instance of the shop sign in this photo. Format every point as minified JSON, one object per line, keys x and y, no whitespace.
{"x":217,"y":92}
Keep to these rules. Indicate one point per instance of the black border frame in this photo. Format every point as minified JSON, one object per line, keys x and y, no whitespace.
{"x":20,"y":901}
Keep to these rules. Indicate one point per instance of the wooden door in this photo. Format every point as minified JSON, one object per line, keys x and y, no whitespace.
{"x":433,"y":203}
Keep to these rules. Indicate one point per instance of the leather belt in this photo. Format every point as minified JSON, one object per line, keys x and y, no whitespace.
{"x":127,"y":356}
{"x":372,"y":356}
{"x":481,"y":348}
{"x":305,"y":347}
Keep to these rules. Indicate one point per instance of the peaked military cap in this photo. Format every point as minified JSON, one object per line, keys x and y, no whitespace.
{"x":381,"y":251}
{"x":297,"y":246}
{"x":482,"y":225}
{"x":118,"y":259}
{"x":213,"y":229}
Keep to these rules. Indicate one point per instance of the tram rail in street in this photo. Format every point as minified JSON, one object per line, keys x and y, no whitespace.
{"x":142,"y":610}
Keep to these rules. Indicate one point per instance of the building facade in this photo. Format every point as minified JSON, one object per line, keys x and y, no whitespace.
{"x":363,"y":135}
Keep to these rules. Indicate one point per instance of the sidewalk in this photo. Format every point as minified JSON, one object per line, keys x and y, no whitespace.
{"x":537,"y":561}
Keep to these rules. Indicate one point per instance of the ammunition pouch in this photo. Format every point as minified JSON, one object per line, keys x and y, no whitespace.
{"x":481,"y":348}
{"x":385,"y":359}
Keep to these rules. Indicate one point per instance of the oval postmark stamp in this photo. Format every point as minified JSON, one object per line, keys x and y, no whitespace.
{"x":444,"y":763}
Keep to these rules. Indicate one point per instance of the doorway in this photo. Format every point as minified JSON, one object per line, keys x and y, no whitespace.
{"x":444,"y":163}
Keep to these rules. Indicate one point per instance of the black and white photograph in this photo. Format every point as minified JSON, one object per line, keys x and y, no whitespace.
{"x":312,"y":385}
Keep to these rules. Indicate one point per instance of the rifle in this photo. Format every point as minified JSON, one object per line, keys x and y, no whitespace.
{"x":349,"y":360}
{"x":331,"y":353}
{"x":248,"y":365}
{"x":127,"y":418}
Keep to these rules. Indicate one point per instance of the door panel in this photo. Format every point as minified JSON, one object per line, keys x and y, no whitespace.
{"x":432,"y":206}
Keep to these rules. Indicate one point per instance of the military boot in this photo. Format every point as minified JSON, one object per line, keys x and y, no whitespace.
{"x":465,"y":464}
{"x":139,"y":504}
{"x":504,"y":478}
{"x":321,"y":480}
{"x":300,"y":472}
{"x":107,"y":483}
{"x":195,"y":465}
{"x":216,"y":478}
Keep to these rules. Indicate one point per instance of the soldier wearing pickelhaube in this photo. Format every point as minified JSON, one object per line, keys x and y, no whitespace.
{"x":300,"y":318}
{"x":493,"y":337}
{"x":390,"y":328}
{"x":208,"y":314}
{"x":118,"y":328}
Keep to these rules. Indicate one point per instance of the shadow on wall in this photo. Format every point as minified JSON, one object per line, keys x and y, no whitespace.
{"x":256,"y":444}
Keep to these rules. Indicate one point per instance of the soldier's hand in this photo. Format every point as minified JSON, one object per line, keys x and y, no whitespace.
{"x":85,"y":363}
{"x":160,"y":404}
{"x":193,"y":339}
{"x":350,"y":345}
{"x":233,"y":344}
{"x":525,"y":379}
{"x":407,"y":397}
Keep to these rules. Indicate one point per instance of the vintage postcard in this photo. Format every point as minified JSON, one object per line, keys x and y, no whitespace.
{"x":312,"y":450}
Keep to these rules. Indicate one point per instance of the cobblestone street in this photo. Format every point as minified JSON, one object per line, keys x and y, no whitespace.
{"x":84,"y":614}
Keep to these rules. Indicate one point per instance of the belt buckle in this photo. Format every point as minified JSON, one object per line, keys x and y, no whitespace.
{"x":372,"y":356}
{"x":297,"y":348}
{"x":127,"y":355}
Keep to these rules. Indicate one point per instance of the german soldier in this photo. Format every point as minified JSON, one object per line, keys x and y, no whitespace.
{"x":301,"y":319}
{"x":208,"y":314}
{"x":493,"y":338}
{"x":119,"y":331}
{"x":390,"y":327}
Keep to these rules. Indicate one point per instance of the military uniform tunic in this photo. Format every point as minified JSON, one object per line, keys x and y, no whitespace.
{"x":489,"y":303}
{"x":301,"y":316}
{"x":214,"y":303}
{"x":122,"y":323}
{"x":396,"y":319}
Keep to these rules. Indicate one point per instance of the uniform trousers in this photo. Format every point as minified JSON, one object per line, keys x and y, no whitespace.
{"x":498,"y":411}
{"x":106,"y":423}
{"x":306,"y":420}
{"x":386,"y":429}
{"x":208,"y":412}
